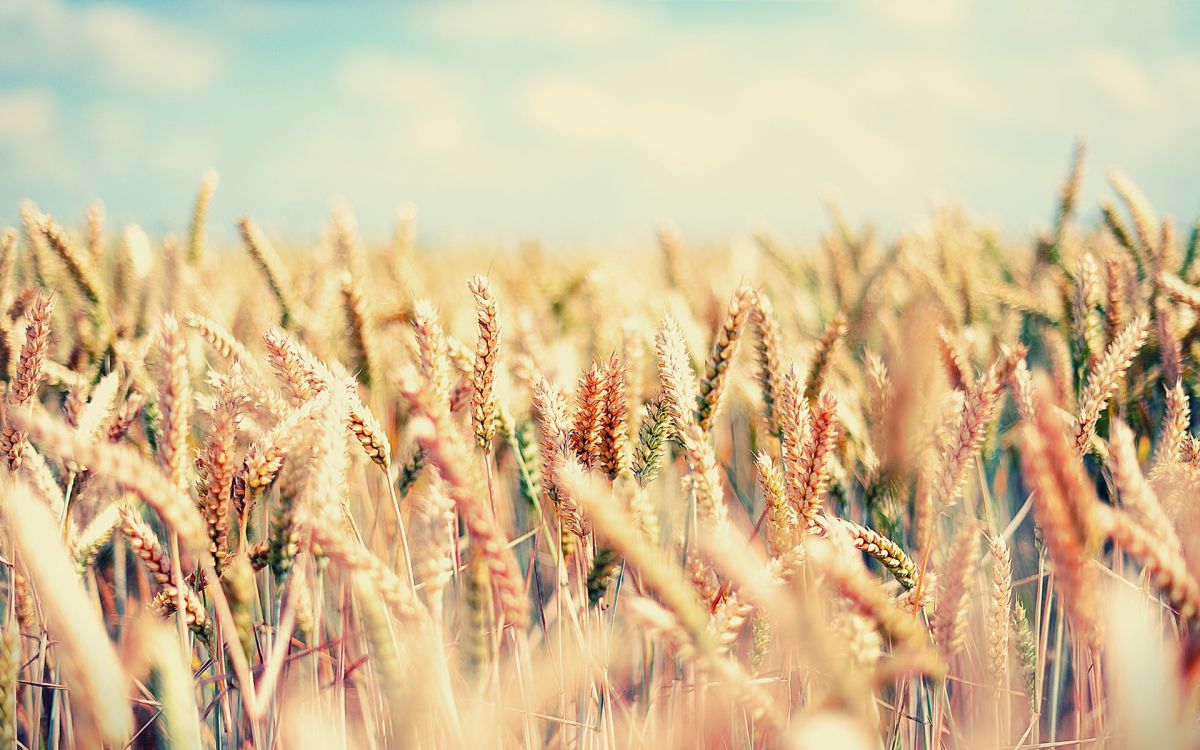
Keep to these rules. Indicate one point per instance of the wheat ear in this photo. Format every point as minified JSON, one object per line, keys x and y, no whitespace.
{"x":555,"y":447}
{"x":815,"y":457}
{"x":208,"y":187}
{"x":216,"y":466}
{"x":1166,"y":567}
{"x":434,"y":432}
{"x":1063,"y":498}
{"x":483,"y":399}
{"x":358,"y":325}
{"x":1137,"y":495}
{"x":614,"y":440}
{"x":222,"y":341}
{"x":725,"y":346}
{"x":781,"y":519}
{"x":654,"y":436}
{"x":957,"y":580}
{"x":958,"y":367}
{"x":586,"y":432}
{"x":79,"y":269}
{"x":834,"y":333}
{"x":268,"y":262}
{"x":999,"y":618}
{"x":175,"y":403}
{"x":676,"y":377}
{"x":766,"y":332}
{"x":30,"y":367}
{"x":11,"y":659}
{"x":1106,"y":377}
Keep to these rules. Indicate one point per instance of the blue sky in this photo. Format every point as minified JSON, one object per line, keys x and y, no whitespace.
{"x":593,"y":120}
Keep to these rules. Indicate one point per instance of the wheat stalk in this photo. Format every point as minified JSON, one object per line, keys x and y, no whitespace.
{"x":92,"y":670}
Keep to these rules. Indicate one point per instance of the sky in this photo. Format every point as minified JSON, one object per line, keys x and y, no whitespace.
{"x":591,"y":121}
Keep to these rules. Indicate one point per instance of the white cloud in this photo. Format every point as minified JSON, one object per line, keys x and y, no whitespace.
{"x":1118,"y":78}
{"x":26,"y":113}
{"x":428,"y":105}
{"x":372,"y":74}
{"x":140,"y":51}
{"x":116,"y":43}
{"x":538,"y":22}
{"x":679,"y":134}
{"x":922,"y":15}
{"x":738,"y":102}
{"x":32,"y":146}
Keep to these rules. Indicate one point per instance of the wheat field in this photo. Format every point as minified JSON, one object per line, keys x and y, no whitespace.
{"x":928,"y":491}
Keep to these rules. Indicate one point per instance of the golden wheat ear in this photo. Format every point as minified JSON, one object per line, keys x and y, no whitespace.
{"x":822,"y":354}
{"x":78,"y":268}
{"x":1064,"y":499}
{"x":614,"y":438}
{"x":196,"y":234}
{"x":30,"y":368}
{"x":1106,"y":377}
{"x":725,"y":346}
{"x":270,"y":265}
{"x":676,"y":377}
{"x":766,"y":333}
{"x":358,"y":326}
{"x":587,"y":415}
{"x":483,"y":382}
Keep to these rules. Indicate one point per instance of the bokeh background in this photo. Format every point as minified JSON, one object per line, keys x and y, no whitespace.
{"x":588,"y":121}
